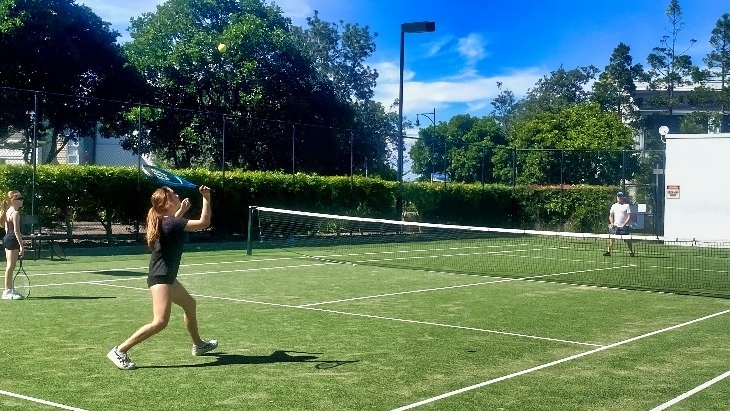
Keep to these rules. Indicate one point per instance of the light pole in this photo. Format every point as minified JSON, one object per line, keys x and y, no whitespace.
{"x":419,"y":27}
{"x":431,"y":116}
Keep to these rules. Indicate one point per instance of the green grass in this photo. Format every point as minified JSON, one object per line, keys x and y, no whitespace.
{"x":298,"y":333}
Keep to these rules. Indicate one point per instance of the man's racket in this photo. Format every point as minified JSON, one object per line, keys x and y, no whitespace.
{"x":21,"y":282}
{"x":166,"y":178}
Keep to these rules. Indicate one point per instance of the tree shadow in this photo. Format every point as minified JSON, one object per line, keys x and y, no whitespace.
{"x":277,"y":356}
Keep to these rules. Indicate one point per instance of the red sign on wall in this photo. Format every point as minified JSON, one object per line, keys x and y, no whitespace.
{"x":672,"y":192}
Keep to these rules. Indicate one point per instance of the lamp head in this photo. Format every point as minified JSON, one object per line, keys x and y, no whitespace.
{"x":419,"y":27}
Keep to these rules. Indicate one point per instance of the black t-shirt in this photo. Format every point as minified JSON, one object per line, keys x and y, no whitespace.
{"x":165,"y":258}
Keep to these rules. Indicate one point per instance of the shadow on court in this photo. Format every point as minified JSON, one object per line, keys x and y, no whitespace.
{"x":69,"y":297}
{"x":276,"y":356}
{"x":121,"y":273}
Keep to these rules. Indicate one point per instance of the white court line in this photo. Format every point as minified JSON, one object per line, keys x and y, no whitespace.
{"x":310,"y":306}
{"x":458,"y":327}
{"x":500,"y":280}
{"x":40,"y":401}
{"x":550,"y":364}
{"x":143,"y":276}
{"x":377,"y":317}
{"x":691,"y":392}
{"x":408,"y":292}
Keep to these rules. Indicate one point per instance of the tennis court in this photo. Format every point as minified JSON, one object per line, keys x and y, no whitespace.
{"x":303,"y":331}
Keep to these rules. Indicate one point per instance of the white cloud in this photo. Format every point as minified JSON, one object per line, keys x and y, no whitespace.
{"x":473,"y":90}
{"x":472,"y":47}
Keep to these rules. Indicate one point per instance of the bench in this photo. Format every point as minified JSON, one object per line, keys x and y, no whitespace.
{"x":31,"y":230}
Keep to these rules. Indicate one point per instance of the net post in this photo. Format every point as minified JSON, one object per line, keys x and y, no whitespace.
{"x":249,"y":240}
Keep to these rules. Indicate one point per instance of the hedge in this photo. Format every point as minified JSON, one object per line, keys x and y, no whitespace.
{"x":119,"y":195}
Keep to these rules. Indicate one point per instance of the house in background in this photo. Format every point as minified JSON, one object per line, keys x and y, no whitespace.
{"x":655,"y":117}
{"x":88,"y":150}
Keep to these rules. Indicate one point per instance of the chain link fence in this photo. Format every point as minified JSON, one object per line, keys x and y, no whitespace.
{"x":46,"y":128}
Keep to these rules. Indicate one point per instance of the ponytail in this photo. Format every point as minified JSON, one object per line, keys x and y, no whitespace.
{"x":160,"y":202}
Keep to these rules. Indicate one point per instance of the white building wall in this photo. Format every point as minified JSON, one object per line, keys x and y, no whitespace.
{"x":697,"y":199}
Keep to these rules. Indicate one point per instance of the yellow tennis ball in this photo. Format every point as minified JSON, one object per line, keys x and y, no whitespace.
{"x":222,"y":47}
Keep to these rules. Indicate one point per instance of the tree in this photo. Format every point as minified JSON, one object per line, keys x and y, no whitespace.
{"x":504,"y":106}
{"x":70,"y":57}
{"x":562,"y":88}
{"x":8,"y":21}
{"x":338,"y":53}
{"x":281,"y":100}
{"x":577,"y":144}
{"x":714,"y":89}
{"x":615,"y":89}
{"x":669,"y":68}
{"x":463,"y":147}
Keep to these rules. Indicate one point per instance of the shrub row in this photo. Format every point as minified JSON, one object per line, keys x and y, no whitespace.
{"x":119,"y":195}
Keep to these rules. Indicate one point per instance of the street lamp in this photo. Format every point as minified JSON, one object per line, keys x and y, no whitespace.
{"x":418,"y":27}
{"x":431,"y":116}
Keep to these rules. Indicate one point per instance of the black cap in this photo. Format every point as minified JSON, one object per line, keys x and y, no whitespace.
{"x":620,"y":194}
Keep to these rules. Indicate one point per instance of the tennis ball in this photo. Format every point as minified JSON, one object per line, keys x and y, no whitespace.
{"x":222,"y":47}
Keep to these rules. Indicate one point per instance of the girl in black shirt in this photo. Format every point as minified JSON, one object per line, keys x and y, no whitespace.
{"x":165,"y":237}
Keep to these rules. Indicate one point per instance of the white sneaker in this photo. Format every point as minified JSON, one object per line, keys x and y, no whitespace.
{"x":11,"y":295}
{"x":120,"y":359}
{"x":206,"y":347}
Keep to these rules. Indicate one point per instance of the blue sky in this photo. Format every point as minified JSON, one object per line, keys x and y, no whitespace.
{"x":478,"y":43}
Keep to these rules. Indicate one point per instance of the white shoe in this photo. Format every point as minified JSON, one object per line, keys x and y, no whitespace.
{"x":11,"y":295}
{"x":206,"y":347}
{"x":120,"y":359}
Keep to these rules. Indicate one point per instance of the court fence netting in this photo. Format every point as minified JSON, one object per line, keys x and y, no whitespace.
{"x":677,"y":266}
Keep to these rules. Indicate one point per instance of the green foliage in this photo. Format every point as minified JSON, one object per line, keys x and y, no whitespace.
{"x":669,"y":68}
{"x":65,"y":195}
{"x":66,"y":50}
{"x":7,"y":21}
{"x":555,"y":144}
{"x":278,"y":85}
{"x":562,"y":87}
{"x":567,"y":208}
{"x":462,"y":147}
{"x":615,"y":89}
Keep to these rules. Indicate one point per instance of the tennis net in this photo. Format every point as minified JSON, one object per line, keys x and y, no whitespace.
{"x":658,"y":264}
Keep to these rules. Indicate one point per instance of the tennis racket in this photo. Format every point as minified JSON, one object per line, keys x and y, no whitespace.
{"x":21,"y":282}
{"x":166,"y":178}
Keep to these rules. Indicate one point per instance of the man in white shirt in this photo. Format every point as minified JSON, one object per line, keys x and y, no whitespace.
{"x":619,"y":218}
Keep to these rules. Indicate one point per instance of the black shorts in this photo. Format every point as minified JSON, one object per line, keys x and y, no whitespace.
{"x":620,"y":230}
{"x":160,"y":279}
{"x":10,"y":242}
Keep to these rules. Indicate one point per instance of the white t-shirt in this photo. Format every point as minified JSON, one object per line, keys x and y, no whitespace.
{"x":621,"y":214}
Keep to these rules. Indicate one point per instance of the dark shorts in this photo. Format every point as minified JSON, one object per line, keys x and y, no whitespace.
{"x":620,"y":230}
{"x":10,"y":242}
{"x":159,"y":279}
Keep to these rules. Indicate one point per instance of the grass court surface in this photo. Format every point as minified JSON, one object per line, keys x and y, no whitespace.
{"x":300,"y":333}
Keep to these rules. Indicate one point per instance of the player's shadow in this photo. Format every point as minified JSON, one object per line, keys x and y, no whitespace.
{"x":277,"y":356}
{"x":69,"y":297}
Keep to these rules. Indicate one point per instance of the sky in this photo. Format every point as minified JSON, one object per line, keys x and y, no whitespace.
{"x":478,"y":43}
